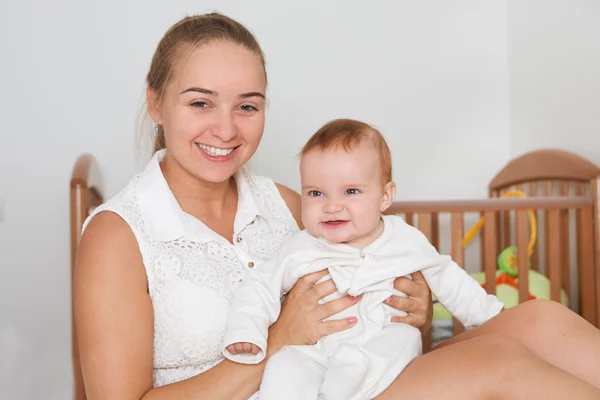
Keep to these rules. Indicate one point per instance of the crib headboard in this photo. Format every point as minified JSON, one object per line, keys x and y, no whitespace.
{"x":86,"y":193}
{"x":551,"y":169}
{"x":549,"y":172}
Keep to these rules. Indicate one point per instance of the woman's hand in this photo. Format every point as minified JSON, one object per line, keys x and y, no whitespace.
{"x":301,"y":321}
{"x":418,"y":304}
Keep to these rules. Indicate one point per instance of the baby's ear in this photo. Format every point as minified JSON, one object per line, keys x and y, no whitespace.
{"x":389,"y":193}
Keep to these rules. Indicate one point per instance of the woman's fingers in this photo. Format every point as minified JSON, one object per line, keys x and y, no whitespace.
{"x":410,"y":319}
{"x":306,"y":282}
{"x":408,"y":304}
{"x":322,"y":290}
{"x":417,"y":304}
{"x":406,"y":285}
{"x":333,"y":307}
{"x":336,"y":325}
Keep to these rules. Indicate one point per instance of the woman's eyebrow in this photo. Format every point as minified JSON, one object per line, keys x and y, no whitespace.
{"x":213,"y":93}
{"x":200,"y":90}
{"x":251,"y":94}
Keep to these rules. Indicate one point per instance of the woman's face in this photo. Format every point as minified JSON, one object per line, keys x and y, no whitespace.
{"x":213,"y":110}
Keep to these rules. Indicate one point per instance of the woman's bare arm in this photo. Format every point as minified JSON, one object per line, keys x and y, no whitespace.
{"x":114,"y":320}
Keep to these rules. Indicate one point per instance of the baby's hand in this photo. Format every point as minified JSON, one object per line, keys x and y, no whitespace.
{"x":243,"y":347}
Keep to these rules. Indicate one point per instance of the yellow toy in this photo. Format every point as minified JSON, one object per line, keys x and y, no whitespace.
{"x":507,"y":260}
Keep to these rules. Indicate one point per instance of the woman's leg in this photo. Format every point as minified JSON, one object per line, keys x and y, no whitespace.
{"x":552,"y":332}
{"x":486,"y":367}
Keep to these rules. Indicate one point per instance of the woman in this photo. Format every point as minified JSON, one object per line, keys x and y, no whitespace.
{"x":159,"y":262}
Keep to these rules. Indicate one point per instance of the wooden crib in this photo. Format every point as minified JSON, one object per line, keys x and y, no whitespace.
{"x":563,"y":190}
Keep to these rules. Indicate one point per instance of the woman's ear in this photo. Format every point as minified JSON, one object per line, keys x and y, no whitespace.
{"x":389,"y":193}
{"x":153,"y":104}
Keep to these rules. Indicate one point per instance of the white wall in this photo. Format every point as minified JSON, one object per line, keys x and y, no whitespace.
{"x":432,"y":75}
{"x":554,"y":63}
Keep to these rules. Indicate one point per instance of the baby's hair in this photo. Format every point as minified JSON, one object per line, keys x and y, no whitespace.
{"x":349,"y":134}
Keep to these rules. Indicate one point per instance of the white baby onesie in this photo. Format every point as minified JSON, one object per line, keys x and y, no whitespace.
{"x":360,"y":362}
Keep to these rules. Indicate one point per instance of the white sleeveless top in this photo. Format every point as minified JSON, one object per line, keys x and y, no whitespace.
{"x":193,"y":272}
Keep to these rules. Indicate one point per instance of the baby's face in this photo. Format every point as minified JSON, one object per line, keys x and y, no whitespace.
{"x":343,"y":195}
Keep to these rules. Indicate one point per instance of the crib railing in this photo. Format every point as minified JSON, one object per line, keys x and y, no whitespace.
{"x":426,"y":216}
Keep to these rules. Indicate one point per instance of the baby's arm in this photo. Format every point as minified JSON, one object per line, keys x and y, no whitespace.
{"x":462,"y":295}
{"x":255,"y":306}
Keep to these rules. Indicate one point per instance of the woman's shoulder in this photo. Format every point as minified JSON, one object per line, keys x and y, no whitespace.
{"x":293,"y":201}
{"x":111,"y":217}
{"x":120,"y":203}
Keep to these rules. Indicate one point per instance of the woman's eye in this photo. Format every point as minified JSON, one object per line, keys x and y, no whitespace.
{"x":315,"y":193}
{"x":248,"y":108}
{"x":352,"y":191}
{"x":199,"y":104}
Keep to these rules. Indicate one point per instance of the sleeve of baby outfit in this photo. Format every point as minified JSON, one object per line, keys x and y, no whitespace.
{"x":458,"y":292}
{"x":255,"y":306}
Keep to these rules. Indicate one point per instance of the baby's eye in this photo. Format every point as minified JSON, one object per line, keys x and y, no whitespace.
{"x":352,"y":191}
{"x":315,"y":193}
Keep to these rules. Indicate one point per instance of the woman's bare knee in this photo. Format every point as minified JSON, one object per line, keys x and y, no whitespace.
{"x":543,"y":315}
{"x":470,"y":369}
{"x":543,"y":307}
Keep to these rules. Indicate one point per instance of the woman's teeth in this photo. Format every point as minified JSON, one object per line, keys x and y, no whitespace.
{"x":215,"y":151}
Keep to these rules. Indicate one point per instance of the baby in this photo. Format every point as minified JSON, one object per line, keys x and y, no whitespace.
{"x":346,"y":177}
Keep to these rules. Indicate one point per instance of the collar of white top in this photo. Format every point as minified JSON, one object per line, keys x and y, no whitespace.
{"x":164,"y":220}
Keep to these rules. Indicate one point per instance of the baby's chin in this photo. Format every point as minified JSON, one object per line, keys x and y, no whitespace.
{"x":337,"y":237}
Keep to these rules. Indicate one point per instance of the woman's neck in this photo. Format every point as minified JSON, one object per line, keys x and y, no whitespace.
{"x":196,"y":197}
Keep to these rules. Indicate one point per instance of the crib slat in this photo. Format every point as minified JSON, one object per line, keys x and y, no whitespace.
{"x":490,"y":256}
{"x":435,"y":231}
{"x":555,"y":258}
{"x":499,"y":222}
{"x":533,"y":190}
{"x":586,"y":265}
{"x":579,"y":191}
{"x":410,"y":219}
{"x":565,"y":261}
{"x":522,"y":255}
{"x":457,"y":254}
{"x":425,"y":225}
{"x":547,"y":189}
{"x":506,"y":227}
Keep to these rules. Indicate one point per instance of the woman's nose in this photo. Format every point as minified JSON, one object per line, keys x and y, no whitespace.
{"x":226,"y":127}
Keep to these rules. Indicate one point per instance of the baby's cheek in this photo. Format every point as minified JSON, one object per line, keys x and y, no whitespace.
{"x":310,"y":218}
